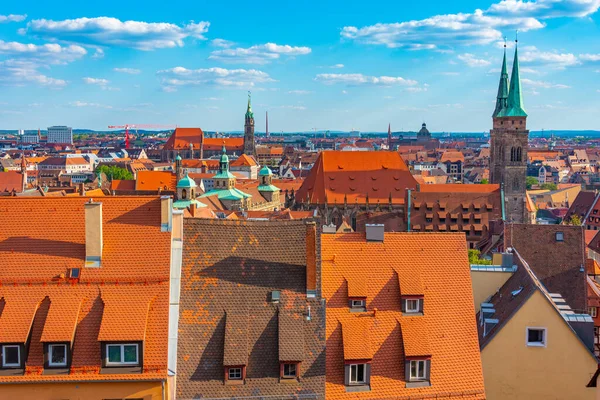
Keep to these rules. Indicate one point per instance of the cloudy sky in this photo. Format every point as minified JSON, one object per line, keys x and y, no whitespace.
{"x":310,"y":64}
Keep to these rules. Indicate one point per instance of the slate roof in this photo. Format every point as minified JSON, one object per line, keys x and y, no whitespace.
{"x":446,"y":331}
{"x":229,"y":271}
{"x":557,"y":265}
{"x":39,"y":302}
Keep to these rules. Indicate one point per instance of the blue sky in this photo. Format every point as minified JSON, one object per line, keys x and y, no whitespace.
{"x":310,"y":64}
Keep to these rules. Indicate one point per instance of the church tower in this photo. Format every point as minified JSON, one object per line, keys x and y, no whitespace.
{"x":249,"y":148}
{"x":509,"y":141}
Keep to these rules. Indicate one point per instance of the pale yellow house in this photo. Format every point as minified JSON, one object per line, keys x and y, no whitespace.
{"x":533,"y":345}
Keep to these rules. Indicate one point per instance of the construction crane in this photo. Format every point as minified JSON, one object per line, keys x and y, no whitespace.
{"x":138,"y":126}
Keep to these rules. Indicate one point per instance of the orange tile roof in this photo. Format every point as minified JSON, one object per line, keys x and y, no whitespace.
{"x":231,"y":144}
{"x":356,"y":287}
{"x":415,"y":337}
{"x":410,"y":283}
{"x":120,"y":184}
{"x":182,"y":137}
{"x":62,"y":318}
{"x":448,"y":321}
{"x":155,"y":180}
{"x":592,"y":267}
{"x":135,"y":313}
{"x":339,"y":175}
{"x":11,"y":180}
{"x":243,"y":161}
{"x":452,"y":156}
{"x":356,"y":335}
{"x":34,"y":259}
{"x":462,"y":188}
{"x":288,"y":184}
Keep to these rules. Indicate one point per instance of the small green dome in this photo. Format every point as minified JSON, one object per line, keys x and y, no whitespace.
{"x":224,"y":157}
{"x":178,"y":158}
{"x":186,"y":182}
{"x":265,"y":171}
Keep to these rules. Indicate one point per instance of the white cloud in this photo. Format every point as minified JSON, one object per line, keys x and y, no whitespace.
{"x":298,"y":108}
{"x":131,"y":71}
{"x":99,"y":53}
{"x":86,"y":104}
{"x":590,"y":57}
{"x":222,"y":43}
{"x":542,"y":84}
{"x":360,"y":79}
{"x":12,"y":18}
{"x":344,"y":92}
{"x":450,"y":73}
{"x":299,"y":92}
{"x":95,"y":81}
{"x":236,"y":78}
{"x":415,"y":89}
{"x":337,"y":66}
{"x":478,"y":27}
{"x":106,"y":31}
{"x":49,"y":53}
{"x":472,"y":61}
{"x":558,"y":60}
{"x":212,"y":98}
{"x":258,"y":54}
{"x":20,"y":73}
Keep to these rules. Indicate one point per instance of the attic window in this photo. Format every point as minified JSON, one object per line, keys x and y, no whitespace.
{"x":358,"y":303}
{"x":57,"y":355}
{"x":122,"y":354}
{"x":11,"y":356}
{"x":418,"y":370}
{"x":536,"y":337}
{"x":412,"y":305}
{"x":234,"y":374}
{"x":560,"y":236}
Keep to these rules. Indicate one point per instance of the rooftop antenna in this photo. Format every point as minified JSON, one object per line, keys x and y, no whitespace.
{"x":516,"y":36}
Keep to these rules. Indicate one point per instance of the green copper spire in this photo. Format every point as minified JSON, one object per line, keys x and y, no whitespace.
{"x":502,"y":98}
{"x":515,"y":97}
{"x":249,"y":113}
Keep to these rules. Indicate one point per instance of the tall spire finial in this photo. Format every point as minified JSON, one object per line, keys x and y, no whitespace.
{"x":516,"y":36}
{"x":249,"y":113}
{"x":505,"y":42}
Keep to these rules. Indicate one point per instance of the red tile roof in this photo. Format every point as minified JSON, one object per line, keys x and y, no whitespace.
{"x":355,"y":175}
{"x":126,"y":185}
{"x":356,"y":335}
{"x":462,"y":188}
{"x":216,"y":144}
{"x":446,"y":331}
{"x":11,"y":180}
{"x":156,"y":180}
{"x":182,"y":137}
{"x":35,"y":258}
{"x":243,"y":161}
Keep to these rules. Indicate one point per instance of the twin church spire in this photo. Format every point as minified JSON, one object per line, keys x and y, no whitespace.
{"x":509,"y":102}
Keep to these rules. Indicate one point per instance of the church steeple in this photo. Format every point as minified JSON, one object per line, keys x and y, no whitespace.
{"x":249,"y":146}
{"x":502,"y":98}
{"x":515,"y":96}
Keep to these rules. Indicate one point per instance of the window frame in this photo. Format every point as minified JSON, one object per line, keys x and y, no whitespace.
{"x":418,"y":377}
{"x":593,"y":312}
{"x":4,"y":364}
{"x":361,"y":303}
{"x":50,"y":350}
{"x":122,"y":363}
{"x":231,"y":369}
{"x":364,"y":372}
{"x":544,"y":342}
{"x":412,"y":311}
{"x":562,"y":236}
{"x":283,"y":374}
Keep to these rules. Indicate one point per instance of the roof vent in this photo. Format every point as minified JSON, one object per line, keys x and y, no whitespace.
{"x":74,"y":273}
{"x":515,"y":293}
{"x":329,"y":228}
{"x":488,"y":324}
{"x":275,"y":296}
{"x":375,"y":232}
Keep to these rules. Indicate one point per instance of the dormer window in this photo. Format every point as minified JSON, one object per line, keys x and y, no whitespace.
{"x":234,"y":374}
{"x":358,"y":304}
{"x":412,"y":305}
{"x":560,"y":237}
{"x":418,"y":371}
{"x":11,"y":356}
{"x":57,"y":355}
{"x":122,"y":354}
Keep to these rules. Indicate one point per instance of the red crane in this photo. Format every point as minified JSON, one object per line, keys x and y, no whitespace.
{"x":138,"y":126}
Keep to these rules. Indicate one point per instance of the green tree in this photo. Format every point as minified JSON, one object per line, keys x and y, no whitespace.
{"x":484,"y":181}
{"x":474,"y":258}
{"x":114,"y":172}
{"x":530,"y":181}
{"x":574,"y":220}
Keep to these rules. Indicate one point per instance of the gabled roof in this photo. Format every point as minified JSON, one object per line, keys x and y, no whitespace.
{"x":383,"y":331}
{"x":39,"y":303}
{"x":243,"y":161}
{"x":355,"y":176}
{"x":182,"y":137}
{"x":558,"y":265}
{"x":11,"y":180}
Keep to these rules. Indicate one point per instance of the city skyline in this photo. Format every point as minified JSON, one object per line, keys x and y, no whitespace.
{"x":311,"y":66}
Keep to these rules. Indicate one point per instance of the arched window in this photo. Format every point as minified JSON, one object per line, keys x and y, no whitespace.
{"x":519,"y":154}
{"x":513,"y":154}
{"x":501,"y":153}
{"x":183,"y":194}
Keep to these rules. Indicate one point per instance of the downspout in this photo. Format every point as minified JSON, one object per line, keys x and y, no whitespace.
{"x":408,"y":212}
{"x":502,"y":202}
{"x":163,"y":390}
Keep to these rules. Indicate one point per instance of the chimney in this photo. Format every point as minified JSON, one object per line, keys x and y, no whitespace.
{"x":93,"y":234}
{"x":193,"y":209}
{"x":82,"y":189}
{"x":311,"y":259}
{"x":375,"y":232}
{"x":166,"y":216}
